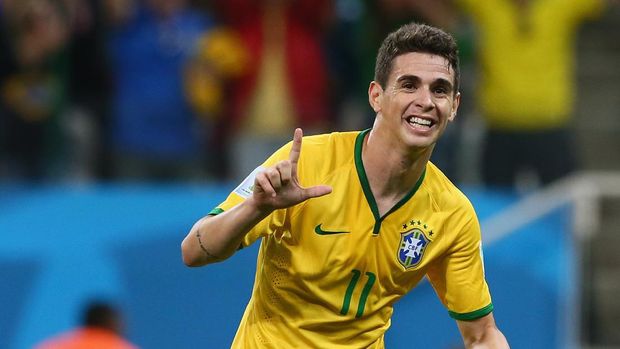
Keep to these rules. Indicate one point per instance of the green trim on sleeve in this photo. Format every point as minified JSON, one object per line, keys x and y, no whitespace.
{"x":215,"y":211}
{"x":476,"y":314}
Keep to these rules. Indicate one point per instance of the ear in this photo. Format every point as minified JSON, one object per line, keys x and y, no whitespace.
{"x":455,"y":106}
{"x":375,"y":93}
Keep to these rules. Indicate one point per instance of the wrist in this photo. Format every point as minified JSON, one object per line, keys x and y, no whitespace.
{"x":257,"y":211}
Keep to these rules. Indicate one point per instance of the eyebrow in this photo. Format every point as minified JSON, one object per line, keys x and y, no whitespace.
{"x":437,"y":82}
{"x":408,"y":77}
{"x":443,"y":83}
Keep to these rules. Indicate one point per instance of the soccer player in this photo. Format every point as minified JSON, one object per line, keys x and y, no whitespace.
{"x":350,"y":222}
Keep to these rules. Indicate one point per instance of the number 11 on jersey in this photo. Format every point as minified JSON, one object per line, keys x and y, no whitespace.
{"x":365,"y":291}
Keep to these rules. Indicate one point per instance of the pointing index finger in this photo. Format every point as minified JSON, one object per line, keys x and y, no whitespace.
{"x":296,"y":148}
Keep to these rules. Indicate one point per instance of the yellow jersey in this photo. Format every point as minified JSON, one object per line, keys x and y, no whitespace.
{"x":330,"y":269}
{"x":527,"y":60}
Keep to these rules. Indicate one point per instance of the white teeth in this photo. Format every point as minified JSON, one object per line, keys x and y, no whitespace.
{"x":420,"y":121}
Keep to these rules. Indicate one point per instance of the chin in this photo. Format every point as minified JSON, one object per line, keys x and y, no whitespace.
{"x":418,"y":141}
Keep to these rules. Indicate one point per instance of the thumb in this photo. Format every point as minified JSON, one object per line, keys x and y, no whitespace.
{"x":316,"y":191}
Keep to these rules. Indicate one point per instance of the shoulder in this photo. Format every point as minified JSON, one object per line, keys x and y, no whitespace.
{"x":455,"y":209}
{"x":334,"y":139}
{"x":335,"y":147}
{"x":63,"y":340}
{"x":320,"y":152}
{"x":445,"y":194}
{"x":322,"y":155}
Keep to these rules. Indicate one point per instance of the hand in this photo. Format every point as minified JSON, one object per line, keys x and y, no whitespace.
{"x":278,"y":186}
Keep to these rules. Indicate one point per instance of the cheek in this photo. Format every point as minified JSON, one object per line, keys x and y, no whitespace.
{"x":445,"y":107}
{"x":401,"y":102}
{"x":391,"y":105}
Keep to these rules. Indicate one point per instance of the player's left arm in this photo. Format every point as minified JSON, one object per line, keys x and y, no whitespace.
{"x":482,"y":333}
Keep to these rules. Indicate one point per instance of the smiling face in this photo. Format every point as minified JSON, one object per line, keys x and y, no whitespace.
{"x":417,"y":101}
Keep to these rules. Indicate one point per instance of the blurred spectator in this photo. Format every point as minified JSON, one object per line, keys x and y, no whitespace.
{"x":526,"y":54}
{"x":89,"y":82}
{"x":102,"y":328}
{"x":33,"y":74}
{"x":285,"y":82}
{"x":220,"y":57}
{"x":155,"y":134}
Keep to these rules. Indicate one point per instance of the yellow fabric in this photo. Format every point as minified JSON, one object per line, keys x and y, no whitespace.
{"x":224,"y":51}
{"x":220,"y":55}
{"x":33,"y":96}
{"x":270,"y":112}
{"x":203,"y":90}
{"x":527,"y":60}
{"x":302,"y":277}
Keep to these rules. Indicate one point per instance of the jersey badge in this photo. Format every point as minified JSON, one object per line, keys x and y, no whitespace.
{"x":413,"y":243}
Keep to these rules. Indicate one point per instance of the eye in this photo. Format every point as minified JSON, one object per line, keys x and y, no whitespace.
{"x":440,"y":90}
{"x":408,"y":85}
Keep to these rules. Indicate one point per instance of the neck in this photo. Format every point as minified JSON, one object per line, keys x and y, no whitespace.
{"x":392,"y":171}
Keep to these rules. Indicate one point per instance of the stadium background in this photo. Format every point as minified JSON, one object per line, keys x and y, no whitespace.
{"x":82,"y":216}
{"x":68,"y":245}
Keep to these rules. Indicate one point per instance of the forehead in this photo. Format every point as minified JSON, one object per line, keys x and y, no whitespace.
{"x":422,"y":65}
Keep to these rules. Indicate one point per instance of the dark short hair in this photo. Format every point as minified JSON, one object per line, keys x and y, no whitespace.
{"x":100,"y":315}
{"x":416,"y":37}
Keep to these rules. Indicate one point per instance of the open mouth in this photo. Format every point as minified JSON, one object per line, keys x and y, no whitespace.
{"x":419,"y":122}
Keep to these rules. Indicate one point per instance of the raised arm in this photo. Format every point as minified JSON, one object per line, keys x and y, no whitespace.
{"x":482,"y":334}
{"x":215,"y":238}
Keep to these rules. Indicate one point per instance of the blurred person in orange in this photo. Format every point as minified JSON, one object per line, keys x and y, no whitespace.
{"x":102,"y":328}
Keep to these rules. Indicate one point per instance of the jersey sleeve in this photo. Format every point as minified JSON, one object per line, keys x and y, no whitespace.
{"x":458,"y":278}
{"x":244,"y":190}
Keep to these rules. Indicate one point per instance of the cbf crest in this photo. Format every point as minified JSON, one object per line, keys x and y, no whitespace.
{"x":413,"y":244}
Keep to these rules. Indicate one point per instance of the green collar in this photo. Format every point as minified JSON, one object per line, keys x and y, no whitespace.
{"x":361,"y":173}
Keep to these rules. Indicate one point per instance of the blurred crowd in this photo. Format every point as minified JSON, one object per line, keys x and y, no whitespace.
{"x":198,"y":90}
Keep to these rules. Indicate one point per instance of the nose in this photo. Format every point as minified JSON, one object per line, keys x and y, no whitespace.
{"x":423,"y":98}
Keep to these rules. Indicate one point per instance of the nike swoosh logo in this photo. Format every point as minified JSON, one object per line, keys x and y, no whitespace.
{"x":320,"y":231}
